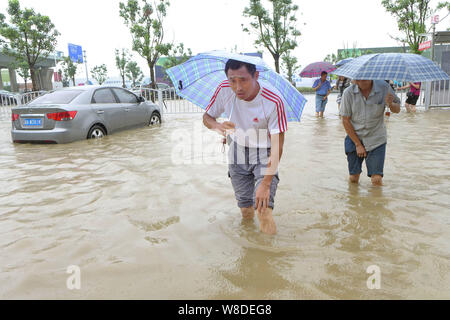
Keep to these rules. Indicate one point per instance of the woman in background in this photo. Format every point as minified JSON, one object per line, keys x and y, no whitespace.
{"x":413,"y":95}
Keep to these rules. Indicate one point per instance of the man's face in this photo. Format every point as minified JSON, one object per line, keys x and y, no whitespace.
{"x":364,"y":84}
{"x":323,"y":77}
{"x":242,"y":83}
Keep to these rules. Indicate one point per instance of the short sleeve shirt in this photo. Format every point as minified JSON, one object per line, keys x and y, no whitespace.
{"x":326,"y":86}
{"x":255,"y":120}
{"x":367,"y":116}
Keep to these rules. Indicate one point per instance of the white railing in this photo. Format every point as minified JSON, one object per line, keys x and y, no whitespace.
{"x":169,"y":101}
{"x":12,"y":100}
{"x":440,"y":94}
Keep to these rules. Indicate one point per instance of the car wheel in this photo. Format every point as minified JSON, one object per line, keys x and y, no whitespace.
{"x":96,"y":132}
{"x":155,"y":119}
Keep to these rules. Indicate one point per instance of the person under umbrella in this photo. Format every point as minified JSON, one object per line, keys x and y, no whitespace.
{"x":255,"y":132}
{"x":362,"y":112}
{"x":322,"y":87}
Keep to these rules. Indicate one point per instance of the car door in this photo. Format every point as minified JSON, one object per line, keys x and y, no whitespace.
{"x":108,"y":109}
{"x":135,"y":112}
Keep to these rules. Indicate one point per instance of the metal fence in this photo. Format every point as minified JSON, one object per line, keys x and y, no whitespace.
{"x":440,"y":94}
{"x":12,"y":100}
{"x":169,"y":101}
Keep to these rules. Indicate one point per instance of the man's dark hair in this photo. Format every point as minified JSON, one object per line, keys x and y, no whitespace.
{"x":235,"y":65}
{"x":324,"y":72}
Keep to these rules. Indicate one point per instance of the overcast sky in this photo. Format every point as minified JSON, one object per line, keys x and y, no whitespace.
{"x":204,"y":25}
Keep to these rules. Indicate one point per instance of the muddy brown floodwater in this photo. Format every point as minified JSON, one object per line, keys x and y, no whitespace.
{"x":140,"y":223}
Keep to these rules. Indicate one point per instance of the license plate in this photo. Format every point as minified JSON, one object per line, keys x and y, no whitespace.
{"x":32,"y":122}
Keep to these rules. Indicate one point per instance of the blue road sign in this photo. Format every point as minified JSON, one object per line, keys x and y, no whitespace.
{"x":75,"y":53}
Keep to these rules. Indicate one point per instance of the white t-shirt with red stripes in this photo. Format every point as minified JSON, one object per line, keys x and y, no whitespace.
{"x":255,"y":120}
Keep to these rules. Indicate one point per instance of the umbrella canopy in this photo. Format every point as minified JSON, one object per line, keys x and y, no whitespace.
{"x":392,"y":66}
{"x":197,"y":79}
{"x":343,"y":61}
{"x":315,"y":69}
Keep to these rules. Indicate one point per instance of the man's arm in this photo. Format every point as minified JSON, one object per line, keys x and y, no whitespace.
{"x":393,"y":106}
{"x":212,"y":124}
{"x":317,"y":86}
{"x":263,"y":192}
{"x":360,"y":150}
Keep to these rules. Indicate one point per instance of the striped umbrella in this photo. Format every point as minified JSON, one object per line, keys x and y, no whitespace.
{"x":315,"y":69}
{"x":392,"y":66}
{"x":197,"y":79}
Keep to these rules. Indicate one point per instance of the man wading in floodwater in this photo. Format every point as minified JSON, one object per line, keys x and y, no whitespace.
{"x":362,"y":111}
{"x":255,"y":134}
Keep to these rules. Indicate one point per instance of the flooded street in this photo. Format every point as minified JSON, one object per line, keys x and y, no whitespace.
{"x":142,"y":224}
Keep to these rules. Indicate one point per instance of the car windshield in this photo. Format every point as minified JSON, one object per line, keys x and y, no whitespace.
{"x":57,"y":97}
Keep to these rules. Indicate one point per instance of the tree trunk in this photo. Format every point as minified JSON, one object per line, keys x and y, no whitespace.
{"x":152,"y":76}
{"x":123,"y":82}
{"x":73,"y":80}
{"x":34,"y":80}
{"x":153,"y":81}
{"x":26,"y":85}
{"x":276,"y":57}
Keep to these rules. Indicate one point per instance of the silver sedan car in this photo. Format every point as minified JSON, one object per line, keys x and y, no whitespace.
{"x":79,"y":113}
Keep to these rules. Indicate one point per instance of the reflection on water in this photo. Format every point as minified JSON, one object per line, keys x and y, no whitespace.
{"x":140,"y":226}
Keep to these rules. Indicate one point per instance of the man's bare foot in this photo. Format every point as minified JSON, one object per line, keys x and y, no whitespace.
{"x":248,"y":213}
{"x":266,"y":223}
{"x":268,"y":226}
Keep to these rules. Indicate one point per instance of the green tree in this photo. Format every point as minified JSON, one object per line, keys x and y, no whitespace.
{"x":100,"y":73}
{"x":177,"y":55}
{"x":145,"y":21}
{"x":122,"y":59}
{"x":30,"y":36}
{"x":411,"y":16}
{"x":290,"y":65}
{"x":275,"y":29}
{"x":69,"y":70}
{"x":134,"y":73}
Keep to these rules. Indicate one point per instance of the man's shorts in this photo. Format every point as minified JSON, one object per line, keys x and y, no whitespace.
{"x":246,"y":179}
{"x":374,"y":161}
{"x":412,"y":100}
{"x":320,"y":103}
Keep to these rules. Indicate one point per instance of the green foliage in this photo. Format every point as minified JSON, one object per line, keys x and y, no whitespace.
{"x":134,"y":73}
{"x":69,"y":70}
{"x":411,"y":16}
{"x":176,"y":56}
{"x":29,"y":37}
{"x":145,"y":21}
{"x":100,"y":73}
{"x":275,"y":29}
{"x":346,"y":53}
{"x":122,"y":59}
{"x":290,"y":65}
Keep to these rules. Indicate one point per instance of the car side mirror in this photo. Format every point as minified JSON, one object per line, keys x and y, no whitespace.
{"x":141,"y":99}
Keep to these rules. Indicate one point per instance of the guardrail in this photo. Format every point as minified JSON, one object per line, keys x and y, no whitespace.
{"x":12,"y":100}
{"x":169,"y":101}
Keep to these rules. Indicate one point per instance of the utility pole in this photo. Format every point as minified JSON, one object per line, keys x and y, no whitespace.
{"x":85,"y":64}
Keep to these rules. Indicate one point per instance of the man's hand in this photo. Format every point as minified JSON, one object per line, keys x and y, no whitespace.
{"x":361,"y":151}
{"x":262,"y":197}
{"x":389,"y":100}
{"x":225,"y":128}
{"x":324,"y":98}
